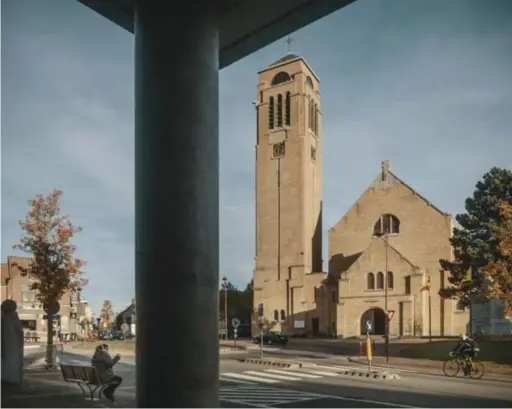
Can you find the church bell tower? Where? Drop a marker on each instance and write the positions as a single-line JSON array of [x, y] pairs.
[[288, 193]]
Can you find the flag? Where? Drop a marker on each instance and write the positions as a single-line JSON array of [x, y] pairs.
[[426, 287]]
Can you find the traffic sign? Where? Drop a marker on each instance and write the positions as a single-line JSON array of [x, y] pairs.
[[390, 314], [235, 322], [368, 326], [52, 307], [235, 332]]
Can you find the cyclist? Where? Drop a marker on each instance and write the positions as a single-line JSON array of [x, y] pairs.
[[466, 348]]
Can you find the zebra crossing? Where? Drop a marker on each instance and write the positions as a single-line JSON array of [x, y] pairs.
[[274, 376]]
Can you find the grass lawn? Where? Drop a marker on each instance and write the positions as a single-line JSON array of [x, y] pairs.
[[498, 352]]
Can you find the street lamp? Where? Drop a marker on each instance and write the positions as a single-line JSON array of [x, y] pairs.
[[225, 288], [385, 234]]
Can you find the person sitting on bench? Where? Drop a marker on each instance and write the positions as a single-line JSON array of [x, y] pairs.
[[104, 364]]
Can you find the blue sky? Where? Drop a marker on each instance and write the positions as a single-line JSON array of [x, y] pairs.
[[425, 84]]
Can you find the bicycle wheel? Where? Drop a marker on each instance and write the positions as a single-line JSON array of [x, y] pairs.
[[451, 367], [477, 370]]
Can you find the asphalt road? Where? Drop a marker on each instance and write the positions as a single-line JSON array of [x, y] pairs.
[[247, 386]]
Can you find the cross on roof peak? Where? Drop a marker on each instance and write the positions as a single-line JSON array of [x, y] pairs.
[[289, 40]]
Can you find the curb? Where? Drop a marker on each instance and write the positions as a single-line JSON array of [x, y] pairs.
[[371, 375], [276, 364]]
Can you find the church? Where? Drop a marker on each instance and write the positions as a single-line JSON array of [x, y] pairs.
[[382, 252]]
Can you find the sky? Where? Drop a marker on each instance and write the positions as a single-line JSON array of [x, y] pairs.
[[425, 84]]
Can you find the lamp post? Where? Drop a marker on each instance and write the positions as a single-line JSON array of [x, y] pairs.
[[386, 283], [385, 234], [225, 288]]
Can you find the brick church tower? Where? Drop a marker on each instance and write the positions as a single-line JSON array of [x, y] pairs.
[[288, 195]]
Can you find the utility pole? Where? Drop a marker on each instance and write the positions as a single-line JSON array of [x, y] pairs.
[[386, 334]]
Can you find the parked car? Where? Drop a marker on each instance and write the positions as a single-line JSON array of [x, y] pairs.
[[112, 335], [271, 337]]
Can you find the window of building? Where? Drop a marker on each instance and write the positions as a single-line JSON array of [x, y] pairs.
[[387, 223], [380, 281], [310, 115], [315, 119], [279, 111], [271, 113], [408, 284], [390, 280], [276, 315], [29, 324], [280, 77], [309, 81], [287, 117], [283, 315], [313, 153], [279, 149], [370, 281], [28, 297]]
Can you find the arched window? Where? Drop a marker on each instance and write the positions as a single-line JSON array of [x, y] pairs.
[[370, 281], [287, 109], [390, 280], [387, 223], [308, 109], [283, 315], [276, 315], [279, 111], [309, 81], [271, 113], [280, 77], [380, 281]]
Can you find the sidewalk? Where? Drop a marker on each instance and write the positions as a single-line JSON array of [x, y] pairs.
[[40, 394], [432, 367]]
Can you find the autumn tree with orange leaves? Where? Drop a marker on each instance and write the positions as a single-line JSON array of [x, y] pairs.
[[499, 271], [54, 269], [107, 314]]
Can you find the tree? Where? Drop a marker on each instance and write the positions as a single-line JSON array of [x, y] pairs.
[[499, 271], [107, 315], [474, 243], [54, 269]]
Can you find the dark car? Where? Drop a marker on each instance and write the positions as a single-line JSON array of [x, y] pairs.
[[271, 337], [112, 335]]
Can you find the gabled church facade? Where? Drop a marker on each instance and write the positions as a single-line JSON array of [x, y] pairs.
[[392, 237], [296, 294]]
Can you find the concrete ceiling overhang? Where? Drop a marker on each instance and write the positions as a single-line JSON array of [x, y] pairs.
[[245, 25]]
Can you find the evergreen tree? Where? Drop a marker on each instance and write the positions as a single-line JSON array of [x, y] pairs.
[[474, 244]]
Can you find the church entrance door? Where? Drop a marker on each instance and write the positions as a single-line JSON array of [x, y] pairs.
[[378, 319]]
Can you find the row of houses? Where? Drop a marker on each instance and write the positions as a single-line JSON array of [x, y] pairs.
[[74, 308]]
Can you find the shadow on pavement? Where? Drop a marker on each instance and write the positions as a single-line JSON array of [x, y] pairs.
[[340, 396]]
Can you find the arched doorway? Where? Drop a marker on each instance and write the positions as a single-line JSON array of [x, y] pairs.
[[377, 317]]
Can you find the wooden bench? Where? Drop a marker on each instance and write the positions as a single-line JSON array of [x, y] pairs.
[[87, 378]]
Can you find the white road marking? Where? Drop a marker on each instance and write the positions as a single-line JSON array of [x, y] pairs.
[[324, 373], [301, 374], [222, 378], [248, 377], [268, 375]]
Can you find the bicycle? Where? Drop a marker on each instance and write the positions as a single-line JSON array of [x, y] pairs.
[[456, 362]]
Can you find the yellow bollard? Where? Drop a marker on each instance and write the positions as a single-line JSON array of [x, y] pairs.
[[369, 352]]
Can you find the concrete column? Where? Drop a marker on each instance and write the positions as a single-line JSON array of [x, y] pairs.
[[176, 203]]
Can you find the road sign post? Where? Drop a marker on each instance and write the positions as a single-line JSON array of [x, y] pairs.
[[369, 327]]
